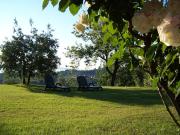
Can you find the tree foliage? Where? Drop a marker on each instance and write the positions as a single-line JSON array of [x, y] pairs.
[[105, 43], [27, 55]]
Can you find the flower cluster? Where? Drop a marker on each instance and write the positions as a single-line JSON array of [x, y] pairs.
[[166, 20], [82, 23], [169, 30], [149, 17]]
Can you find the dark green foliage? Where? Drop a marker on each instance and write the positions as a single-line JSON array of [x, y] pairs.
[[28, 55], [63, 5], [73, 8], [105, 43], [54, 2], [45, 3]]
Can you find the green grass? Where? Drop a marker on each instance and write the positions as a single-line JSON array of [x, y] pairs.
[[114, 111]]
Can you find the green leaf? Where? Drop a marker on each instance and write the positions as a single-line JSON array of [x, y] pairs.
[[154, 82], [138, 51], [168, 61], [92, 15], [106, 37], [126, 35], [134, 61], [170, 58], [171, 76], [164, 48], [45, 3], [177, 89], [63, 5], [115, 41], [111, 29], [104, 19], [110, 62], [117, 55], [104, 28], [96, 18], [121, 50], [54, 2], [150, 53], [178, 92], [73, 8]]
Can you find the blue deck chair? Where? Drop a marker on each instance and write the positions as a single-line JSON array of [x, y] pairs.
[[50, 84], [84, 85]]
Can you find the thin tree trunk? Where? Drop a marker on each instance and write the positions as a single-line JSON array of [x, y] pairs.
[[161, 88], [24, 73], [24, 80], [113, 77], [29, 78], [174, 99]]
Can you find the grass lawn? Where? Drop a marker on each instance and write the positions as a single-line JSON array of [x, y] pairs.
[[114, 111]]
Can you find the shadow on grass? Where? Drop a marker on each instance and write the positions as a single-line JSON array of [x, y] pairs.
[[122, 95], [4, 130]]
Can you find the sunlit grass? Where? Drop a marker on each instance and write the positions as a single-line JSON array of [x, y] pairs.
[[116, 111]]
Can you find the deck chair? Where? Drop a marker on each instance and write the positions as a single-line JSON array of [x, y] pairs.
[[83, 84], [50, 84]]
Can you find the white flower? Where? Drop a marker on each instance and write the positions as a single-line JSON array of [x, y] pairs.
[[79, 27], [87, 4], [154, 11], [169, 30], [166, 20], [149, 17], [83, 19], [174, 7], [141, 22], [151, 7]]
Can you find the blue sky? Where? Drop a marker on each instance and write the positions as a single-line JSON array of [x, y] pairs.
[[23, 10]]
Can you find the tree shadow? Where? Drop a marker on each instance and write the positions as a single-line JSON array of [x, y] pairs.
[[4, 130], [128, 96]]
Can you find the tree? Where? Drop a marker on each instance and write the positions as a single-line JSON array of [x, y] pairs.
[[160, 61], [27, 55], [105, 43]]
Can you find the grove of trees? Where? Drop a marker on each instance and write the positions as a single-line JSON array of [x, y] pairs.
[[28, 55]]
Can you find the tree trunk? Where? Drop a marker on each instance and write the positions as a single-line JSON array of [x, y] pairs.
[[113, 76], [29, 78], [162, 85], [24, 73], [24, 80], [174, 101]]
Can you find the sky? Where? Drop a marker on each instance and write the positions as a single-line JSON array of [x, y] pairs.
[[23, 10]]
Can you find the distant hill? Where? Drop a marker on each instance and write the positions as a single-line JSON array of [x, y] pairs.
[[89, 73]]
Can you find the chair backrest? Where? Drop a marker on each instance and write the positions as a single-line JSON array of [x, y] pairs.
[[82, 82], [49, 80]]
